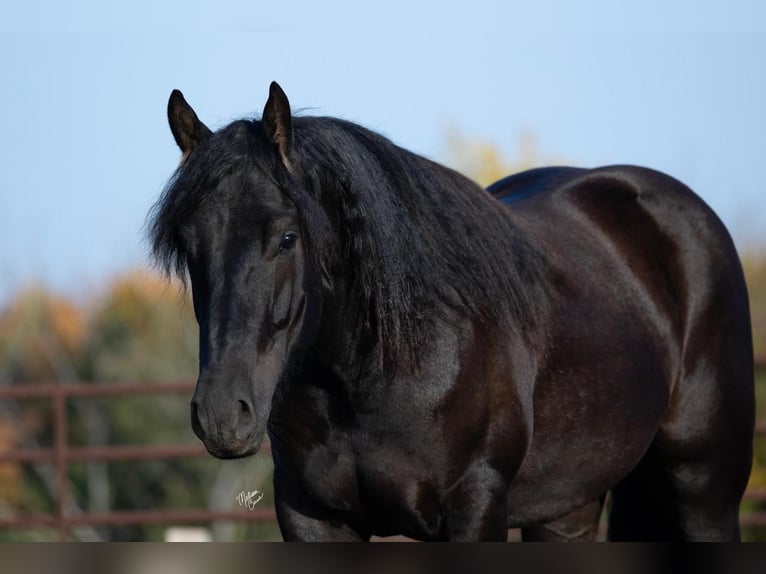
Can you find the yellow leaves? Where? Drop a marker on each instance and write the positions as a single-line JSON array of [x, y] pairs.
[[143, 285], [35, 307], [66, 322], [36, 330], [484, 161], [131, 301], [48, 337]]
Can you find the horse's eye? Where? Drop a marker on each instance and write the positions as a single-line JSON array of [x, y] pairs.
[[288, 241]]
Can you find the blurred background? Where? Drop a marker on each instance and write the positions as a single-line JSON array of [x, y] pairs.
[[488, 87]]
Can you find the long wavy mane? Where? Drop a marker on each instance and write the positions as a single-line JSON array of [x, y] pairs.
[[415, 237]]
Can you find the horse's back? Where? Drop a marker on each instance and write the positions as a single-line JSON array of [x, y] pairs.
[[640, 247], [671, 243]]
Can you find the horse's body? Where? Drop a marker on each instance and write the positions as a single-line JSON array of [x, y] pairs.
[[667, 328], [618, 357]]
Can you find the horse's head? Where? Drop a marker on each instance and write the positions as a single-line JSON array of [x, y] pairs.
[[232, 220]]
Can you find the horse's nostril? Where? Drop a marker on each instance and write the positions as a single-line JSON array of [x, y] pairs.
[[245, 419], [245, 410]]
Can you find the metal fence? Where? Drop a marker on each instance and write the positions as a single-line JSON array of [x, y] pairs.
[[61, 455]]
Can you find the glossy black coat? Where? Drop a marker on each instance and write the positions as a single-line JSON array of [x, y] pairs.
[[433, 363]]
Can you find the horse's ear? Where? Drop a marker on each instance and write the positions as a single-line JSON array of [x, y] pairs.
[[278, 123], [187, 130]]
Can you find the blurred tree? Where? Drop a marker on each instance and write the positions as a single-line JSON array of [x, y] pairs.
[[754, 264], [143, 328], [484, 162], [40, 334]]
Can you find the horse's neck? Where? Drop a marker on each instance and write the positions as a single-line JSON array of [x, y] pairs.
[[344, 341]]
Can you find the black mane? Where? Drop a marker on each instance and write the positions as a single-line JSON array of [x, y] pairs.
[[417, 235]]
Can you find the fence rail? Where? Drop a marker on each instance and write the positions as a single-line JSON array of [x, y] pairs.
[[61, 455]]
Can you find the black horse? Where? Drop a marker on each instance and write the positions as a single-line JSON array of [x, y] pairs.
[[430, 362]]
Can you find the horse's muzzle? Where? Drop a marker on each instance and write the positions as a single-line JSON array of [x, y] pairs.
[[233, 433]]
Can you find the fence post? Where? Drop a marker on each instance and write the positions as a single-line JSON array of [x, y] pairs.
[[60, 421]]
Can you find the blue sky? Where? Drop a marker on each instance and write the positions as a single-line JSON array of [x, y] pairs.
[[677, 85]]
